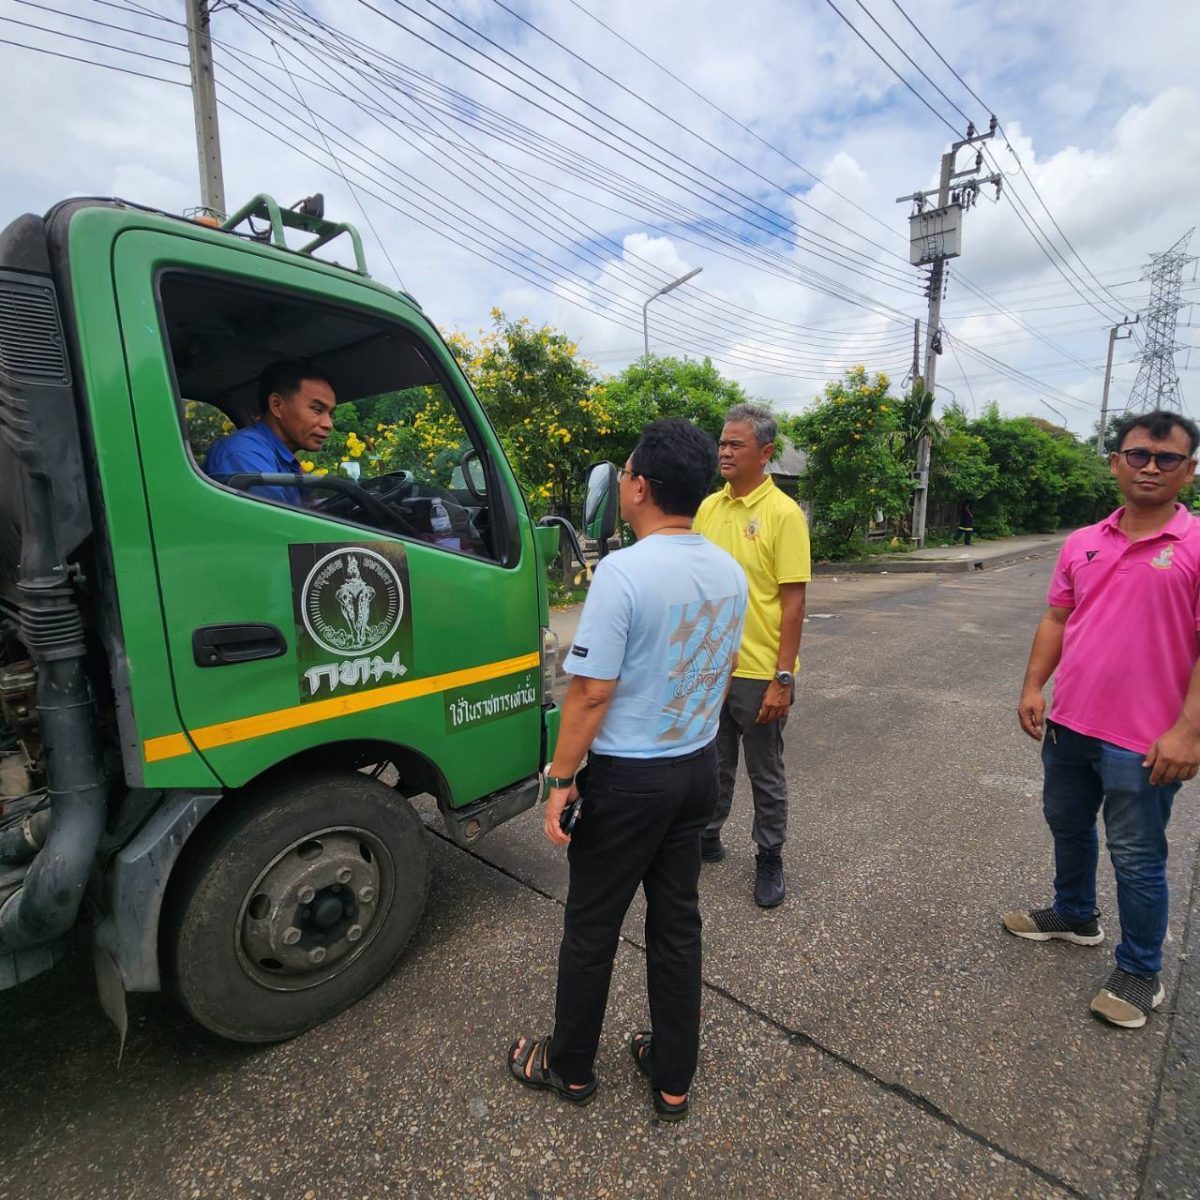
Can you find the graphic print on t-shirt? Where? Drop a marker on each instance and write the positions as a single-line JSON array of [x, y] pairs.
[[700, 647]]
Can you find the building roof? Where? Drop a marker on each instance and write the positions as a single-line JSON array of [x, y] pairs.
[[792, 461]]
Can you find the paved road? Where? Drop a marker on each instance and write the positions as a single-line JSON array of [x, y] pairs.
[[878, 1035]]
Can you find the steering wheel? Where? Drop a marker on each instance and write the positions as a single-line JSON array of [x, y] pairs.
[[390, 487], [352, 498]]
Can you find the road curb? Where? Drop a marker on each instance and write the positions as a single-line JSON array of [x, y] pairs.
[[934, 566]]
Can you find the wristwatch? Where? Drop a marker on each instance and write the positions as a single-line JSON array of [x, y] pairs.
[[784, 677], [554, 781]]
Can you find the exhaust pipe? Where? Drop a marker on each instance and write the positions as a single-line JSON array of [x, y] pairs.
[[21, 843]]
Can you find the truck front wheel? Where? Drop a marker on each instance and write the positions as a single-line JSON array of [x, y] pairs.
[[293, 904]]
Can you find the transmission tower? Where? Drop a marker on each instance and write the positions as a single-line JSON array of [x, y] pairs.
[[1157, 383]]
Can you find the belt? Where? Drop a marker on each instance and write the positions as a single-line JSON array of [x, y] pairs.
[[665, 760]]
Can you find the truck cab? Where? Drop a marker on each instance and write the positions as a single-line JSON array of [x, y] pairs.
[[224, 700]]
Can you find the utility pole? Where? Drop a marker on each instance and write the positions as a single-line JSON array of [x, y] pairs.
[[204, 104], [1112, 341], [935, 234]]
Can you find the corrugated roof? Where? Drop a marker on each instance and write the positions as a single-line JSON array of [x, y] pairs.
[[792, 461]]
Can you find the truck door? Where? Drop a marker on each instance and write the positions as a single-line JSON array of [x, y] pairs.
[[407, 616]]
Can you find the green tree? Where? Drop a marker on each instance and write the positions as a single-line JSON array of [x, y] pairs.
[[1046, 477], [545, 401], [854, 438], [666, 387], [962, 468]]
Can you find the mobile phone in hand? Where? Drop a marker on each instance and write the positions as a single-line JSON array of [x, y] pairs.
[[569, 815]]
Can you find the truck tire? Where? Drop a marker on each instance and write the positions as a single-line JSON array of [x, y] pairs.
[[293, 904]]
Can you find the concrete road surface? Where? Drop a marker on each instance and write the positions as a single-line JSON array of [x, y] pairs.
[[877, 1035]]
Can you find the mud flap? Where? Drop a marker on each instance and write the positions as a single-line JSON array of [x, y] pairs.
[[112, 993]]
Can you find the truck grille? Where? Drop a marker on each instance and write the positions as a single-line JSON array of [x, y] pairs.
[[31, 340]]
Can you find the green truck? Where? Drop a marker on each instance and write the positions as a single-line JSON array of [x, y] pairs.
[[223, 703]]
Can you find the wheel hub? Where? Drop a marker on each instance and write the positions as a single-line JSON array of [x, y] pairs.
[[314, 908]]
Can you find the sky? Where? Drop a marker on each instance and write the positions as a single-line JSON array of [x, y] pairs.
[[563, 160]]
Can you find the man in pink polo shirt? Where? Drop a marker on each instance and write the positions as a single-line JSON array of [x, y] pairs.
[[1121, 639]]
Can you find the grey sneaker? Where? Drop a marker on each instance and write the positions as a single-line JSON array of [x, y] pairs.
[[1127, 1000], [769, 888], [1045, 925]]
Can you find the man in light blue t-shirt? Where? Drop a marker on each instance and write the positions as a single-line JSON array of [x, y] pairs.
[[652, 658]]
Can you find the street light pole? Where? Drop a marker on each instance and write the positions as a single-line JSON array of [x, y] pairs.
[[662, 291]]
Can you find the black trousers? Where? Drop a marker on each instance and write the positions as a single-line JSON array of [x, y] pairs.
[[640, 823]]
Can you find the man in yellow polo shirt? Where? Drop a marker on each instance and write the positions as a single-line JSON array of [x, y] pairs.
[[765, 531]]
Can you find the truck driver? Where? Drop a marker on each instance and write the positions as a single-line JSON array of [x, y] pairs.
[[296, 403]]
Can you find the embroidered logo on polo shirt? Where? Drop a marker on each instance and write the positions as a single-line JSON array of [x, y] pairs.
[[752, 528], [1162, 560], [580, 651], [1091, 554]]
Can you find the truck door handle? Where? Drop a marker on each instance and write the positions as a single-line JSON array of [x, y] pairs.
[[223, 645]]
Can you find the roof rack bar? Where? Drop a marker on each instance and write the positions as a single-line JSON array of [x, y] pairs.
[[266, 208], [331, 230]]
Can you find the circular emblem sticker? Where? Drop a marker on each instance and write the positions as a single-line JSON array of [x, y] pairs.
[[352, 601]]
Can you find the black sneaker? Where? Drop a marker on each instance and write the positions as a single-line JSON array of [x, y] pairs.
[[1127, 1000], [1045, 925], [711, 849], [769, 889]]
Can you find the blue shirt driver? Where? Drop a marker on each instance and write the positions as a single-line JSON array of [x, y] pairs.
[[297, 404]]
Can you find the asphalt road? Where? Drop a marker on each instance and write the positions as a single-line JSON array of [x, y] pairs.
[[877, 1035]]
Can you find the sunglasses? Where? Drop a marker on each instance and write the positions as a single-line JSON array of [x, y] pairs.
[[1164, 460], [623, 471]]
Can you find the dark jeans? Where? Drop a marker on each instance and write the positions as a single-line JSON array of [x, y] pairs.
[[640, 823], [763, 745], [963, 533], [1082, 776]]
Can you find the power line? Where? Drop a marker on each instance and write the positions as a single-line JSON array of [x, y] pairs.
[[790, 355], [743, 127], [593, 234], [1015, 200], [91, 62], [75, 37], [1008, 144], [820, 282], [870, 46], [687, 184], [481, 236], [96, 21], [699, 137]]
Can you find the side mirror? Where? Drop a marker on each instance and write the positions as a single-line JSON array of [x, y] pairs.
[[474, 478], [600, 503]]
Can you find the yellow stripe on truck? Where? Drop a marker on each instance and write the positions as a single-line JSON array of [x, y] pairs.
[[228, 733], [172, 746]]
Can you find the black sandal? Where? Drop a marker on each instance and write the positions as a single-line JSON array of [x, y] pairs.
[[540, 1075], [641, 1046]]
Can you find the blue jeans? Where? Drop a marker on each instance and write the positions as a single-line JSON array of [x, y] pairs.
[[1083, 775]]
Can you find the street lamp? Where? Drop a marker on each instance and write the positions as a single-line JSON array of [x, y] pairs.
[[662, 291]]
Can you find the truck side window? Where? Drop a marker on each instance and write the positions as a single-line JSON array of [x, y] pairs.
[[400, 458], [205, 424]]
